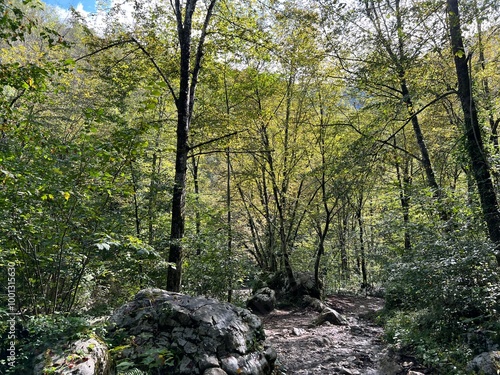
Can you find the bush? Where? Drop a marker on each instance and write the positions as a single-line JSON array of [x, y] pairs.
[[443, 302], [37, 334]]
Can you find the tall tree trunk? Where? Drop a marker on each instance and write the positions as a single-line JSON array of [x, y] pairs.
[[153, 189], [343, 233], [179, 191], [184, 103], [359, 216], [407, 99], [475, 147], [197, 216], [229, 229], [404, 182]]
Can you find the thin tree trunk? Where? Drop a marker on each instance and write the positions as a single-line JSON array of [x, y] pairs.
[[153, 189], [359, 216], [343, 232], [404, 181], [229, 231]]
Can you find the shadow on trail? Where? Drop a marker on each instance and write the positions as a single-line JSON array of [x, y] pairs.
[[355, 349]]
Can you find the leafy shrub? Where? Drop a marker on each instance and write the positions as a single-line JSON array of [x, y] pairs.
[[36, 334], [443, 301]]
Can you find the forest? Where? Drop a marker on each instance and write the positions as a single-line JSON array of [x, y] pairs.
[[206, 146]]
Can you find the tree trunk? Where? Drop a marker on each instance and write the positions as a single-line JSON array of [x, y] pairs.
[[184, 103], [359, 215], [475, 147], [343, 233], [404, 182]]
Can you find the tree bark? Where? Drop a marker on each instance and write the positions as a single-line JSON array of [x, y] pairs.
[[184, 103], [475, 147]]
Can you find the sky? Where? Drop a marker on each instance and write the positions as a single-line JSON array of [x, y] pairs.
[[88, 5]]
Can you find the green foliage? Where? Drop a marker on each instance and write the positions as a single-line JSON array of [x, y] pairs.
[[150, 361], [37, 334], [412, 332], [209, 268], [442, 301]]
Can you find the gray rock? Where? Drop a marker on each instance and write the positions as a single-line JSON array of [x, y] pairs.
[[207, 361], [306, 285], [84, 357], [315, 303], [215, 371], [322, 341], [230, 365], [204, 333], [330, 315], [188, 366], [343, 370], [487, 363], [262, 301], [270, 354], [298, 331]]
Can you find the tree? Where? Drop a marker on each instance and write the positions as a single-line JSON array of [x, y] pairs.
[[474, 142], [189, 72]]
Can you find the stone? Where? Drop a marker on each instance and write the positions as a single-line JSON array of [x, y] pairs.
[[357, 330], [230, 365], [215, 371], [298, 331], [205, 334], [330, 315], [306, 285], [343, 370], [315, 303], [322, 341], [487, 363], [83, 357], [263, 301], [270, 353], [207, 361]]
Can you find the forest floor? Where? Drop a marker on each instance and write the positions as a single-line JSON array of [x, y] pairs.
[[356, 348]]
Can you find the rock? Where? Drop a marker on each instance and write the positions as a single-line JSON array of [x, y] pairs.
[[215, 371], [357, 330], [315, 303], [322, 341], [84, 357], [306, 286], [207, 336], [298, 331], [415, 373], [262, 301], [208, 361], [343, 370], [487, 363], [330, 315]]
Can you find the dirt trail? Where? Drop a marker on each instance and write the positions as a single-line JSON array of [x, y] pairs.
[[355, 349]]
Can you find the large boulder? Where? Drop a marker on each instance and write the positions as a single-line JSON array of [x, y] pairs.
[[201, 335], [487, 363], [83, 357], [306, 285], [263, 301]]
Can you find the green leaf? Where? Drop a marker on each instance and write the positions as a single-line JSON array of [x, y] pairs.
[[103, 246], [125, 365]]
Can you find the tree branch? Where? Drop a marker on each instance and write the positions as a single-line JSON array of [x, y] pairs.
[[214, 140], [158, 69]]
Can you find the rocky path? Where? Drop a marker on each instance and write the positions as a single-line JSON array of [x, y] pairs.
[[355, 349]]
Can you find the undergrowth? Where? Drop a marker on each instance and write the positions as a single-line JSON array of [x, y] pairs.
[[443, 303]]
